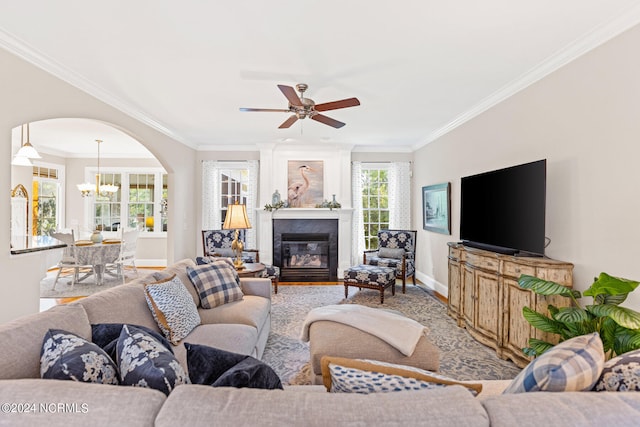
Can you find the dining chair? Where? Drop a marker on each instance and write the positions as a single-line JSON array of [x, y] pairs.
[[128, 246], [68, 257]]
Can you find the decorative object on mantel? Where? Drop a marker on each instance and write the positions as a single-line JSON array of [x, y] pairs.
[[305, 183], [333, 204], [274, 207], [237, 219], [275, 198], [87, 188]]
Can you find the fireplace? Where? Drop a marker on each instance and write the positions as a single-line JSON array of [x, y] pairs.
[[306, 250]]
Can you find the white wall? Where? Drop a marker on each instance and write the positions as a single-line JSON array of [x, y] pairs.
[[585, 120], [30, 94]]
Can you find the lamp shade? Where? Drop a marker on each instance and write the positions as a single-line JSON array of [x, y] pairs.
[[236, 217]]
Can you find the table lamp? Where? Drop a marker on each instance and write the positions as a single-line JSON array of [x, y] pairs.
[[237, 219]]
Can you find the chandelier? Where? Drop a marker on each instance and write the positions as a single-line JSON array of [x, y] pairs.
[[87, 189], [26, 151]]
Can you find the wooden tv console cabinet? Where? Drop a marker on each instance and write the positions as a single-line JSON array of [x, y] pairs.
[[484, 297]]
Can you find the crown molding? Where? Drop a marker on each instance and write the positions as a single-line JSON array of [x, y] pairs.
[[574, 50], [23, 50]]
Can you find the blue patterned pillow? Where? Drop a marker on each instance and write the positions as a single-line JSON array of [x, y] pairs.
[[343, 375], [145, 362], [173, 308], [621, 373], [217, 283], [66, 356], [572, 365]]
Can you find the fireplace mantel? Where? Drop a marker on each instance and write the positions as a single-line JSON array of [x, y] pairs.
[[345, 221]]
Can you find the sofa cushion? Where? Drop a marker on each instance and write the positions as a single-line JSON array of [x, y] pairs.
[[621, 373], [172, 307], [220, 368], [145, 362], [343, 375], [583, 409], [66, 356], [230, 337], [21, 359], [85, 404], [217, 283], [572, 365], [251, 310], [120, 304], [219, 406]]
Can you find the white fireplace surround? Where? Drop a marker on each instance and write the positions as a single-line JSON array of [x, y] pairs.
[[344, 217]]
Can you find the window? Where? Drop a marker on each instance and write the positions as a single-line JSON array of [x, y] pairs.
[[375, 202], [233, 188], [140, 202], [46, 200]]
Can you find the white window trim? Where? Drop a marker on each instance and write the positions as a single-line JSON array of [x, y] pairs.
[[90, 176], [61, 196]]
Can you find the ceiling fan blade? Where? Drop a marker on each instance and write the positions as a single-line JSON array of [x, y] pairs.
[[344, 103], [287, 123], [327, 121], [291, 95], [277, 110]]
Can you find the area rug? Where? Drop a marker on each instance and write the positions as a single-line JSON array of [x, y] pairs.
[[81, 289], [461, 356]]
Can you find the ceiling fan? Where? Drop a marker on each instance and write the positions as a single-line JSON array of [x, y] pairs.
[[302, 107]]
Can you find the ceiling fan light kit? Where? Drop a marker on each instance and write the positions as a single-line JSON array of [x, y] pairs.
[[302, 107]]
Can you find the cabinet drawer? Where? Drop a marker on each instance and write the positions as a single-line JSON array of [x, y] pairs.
[[483, 262], [514, 270], [559, 275], [455, 253]]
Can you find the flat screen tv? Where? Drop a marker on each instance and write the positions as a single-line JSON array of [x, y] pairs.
[[504, 210]]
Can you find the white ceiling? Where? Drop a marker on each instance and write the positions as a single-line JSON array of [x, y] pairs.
[[418, 67]]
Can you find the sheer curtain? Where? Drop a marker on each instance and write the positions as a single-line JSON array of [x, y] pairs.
[[358, 219], [212, 195], [400, 195]]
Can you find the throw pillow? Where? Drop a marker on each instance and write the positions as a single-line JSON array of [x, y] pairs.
[[172, 307], [220, 368], [621, 373], [342, 375], [105, 336], [145, 362], [217, 283], [391, 253], [572, 365], [66, 356]]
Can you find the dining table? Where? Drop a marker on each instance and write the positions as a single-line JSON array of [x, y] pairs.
[[98, 255]]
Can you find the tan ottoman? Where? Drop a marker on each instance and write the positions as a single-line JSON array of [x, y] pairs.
[[327, 338]]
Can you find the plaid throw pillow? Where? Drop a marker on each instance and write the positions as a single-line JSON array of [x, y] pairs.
[[217, 283], [572, 365]]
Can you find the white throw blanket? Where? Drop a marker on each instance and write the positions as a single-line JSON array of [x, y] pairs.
[[398, 331]]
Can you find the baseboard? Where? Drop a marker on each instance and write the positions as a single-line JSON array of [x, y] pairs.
[[433, 284]]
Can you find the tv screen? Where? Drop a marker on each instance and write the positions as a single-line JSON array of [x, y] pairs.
[[504, 210]]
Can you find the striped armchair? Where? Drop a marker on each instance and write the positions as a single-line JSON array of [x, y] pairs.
[[397, 249]]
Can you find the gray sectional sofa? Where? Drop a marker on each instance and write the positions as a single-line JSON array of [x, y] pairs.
[[243, 327]]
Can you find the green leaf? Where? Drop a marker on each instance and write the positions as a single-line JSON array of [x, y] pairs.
[[544, 287], [540, 321], [608, 333], [626, 340], [536, 347], [611, 286], [613, 299], [571, 315], [623, 316], [580, 328]]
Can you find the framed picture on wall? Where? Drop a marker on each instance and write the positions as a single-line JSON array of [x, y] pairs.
[[436, 207], [305, 183]]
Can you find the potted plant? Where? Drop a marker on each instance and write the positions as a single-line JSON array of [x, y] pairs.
[[619, 327]]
